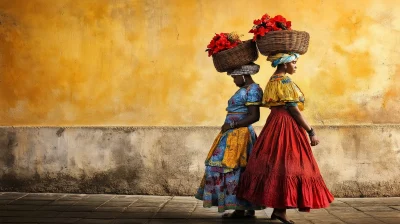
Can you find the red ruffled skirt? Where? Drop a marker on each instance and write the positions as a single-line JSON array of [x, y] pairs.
[[282, 171]]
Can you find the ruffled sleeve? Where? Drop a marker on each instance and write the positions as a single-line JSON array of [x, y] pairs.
[[254, 95], [282, 91]]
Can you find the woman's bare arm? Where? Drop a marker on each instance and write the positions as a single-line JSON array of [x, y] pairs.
[[252, 117], [298, 117]]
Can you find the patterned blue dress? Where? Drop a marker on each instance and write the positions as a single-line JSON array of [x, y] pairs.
[[220, 181]]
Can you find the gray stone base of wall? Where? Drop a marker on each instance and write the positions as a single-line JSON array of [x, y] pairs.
[[355, 161]]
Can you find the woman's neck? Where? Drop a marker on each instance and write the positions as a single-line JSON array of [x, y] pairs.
[[247, 84], [279, 73], [249, 81]]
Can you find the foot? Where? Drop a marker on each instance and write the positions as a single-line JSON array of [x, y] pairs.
[[250, 214], [237, 214], [281, 217]]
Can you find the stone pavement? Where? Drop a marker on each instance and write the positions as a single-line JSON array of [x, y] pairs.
[[105, 208]]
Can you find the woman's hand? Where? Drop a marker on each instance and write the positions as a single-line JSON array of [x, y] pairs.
[[225, 127], [296, 114], [314, 140]]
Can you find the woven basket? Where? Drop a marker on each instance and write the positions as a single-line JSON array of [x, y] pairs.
[[283, 41], [242, 54]]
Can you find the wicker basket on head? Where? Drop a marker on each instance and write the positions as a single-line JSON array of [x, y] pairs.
[[242, 54], [283, 41]]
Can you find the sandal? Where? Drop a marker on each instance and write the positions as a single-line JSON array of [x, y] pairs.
[[234, 215], [274, 217]]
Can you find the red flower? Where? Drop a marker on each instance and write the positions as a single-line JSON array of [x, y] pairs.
[[222, 41], [280, 18], [212, 44], [269, 24], [289, 25], [262, 31], [265, 18], [257, 22]]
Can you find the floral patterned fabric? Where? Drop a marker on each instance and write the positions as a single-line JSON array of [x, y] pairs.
[[219, 189]]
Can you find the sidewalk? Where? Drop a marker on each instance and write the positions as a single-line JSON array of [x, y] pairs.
[[135, 209]]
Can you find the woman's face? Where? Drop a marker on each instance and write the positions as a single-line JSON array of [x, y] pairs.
[[238, 80], [291, 67]]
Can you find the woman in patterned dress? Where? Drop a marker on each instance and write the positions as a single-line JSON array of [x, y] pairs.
[[228, 155]]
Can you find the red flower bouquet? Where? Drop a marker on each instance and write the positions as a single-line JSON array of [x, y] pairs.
[[267, 24], [223, 41]]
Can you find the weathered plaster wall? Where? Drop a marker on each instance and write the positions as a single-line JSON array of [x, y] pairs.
[[356, 161], [142, 62]]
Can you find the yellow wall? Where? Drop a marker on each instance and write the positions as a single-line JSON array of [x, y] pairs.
[[116, 62]]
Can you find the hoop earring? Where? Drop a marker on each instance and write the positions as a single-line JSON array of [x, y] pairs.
[[244, 80]]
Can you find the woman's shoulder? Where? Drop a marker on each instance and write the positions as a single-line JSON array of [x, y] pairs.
[[284, 79], [253, 86], [282, 87]]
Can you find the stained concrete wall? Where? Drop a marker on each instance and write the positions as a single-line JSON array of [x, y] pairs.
[[356, 161]]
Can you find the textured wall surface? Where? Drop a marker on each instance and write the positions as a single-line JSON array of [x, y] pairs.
[[356, 161], [142, 62]]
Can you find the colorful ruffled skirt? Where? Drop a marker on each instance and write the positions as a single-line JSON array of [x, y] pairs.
[[281, 171]]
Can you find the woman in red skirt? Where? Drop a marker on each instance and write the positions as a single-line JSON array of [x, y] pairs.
[[282, 172]]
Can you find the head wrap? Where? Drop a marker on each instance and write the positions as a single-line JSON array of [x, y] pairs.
[[282, 58], [249, 69]]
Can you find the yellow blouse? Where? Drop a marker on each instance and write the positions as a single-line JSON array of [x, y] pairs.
[[281, 90]]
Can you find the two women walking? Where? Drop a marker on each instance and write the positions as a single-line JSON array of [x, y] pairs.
[[275, 170]]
